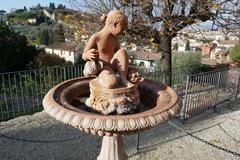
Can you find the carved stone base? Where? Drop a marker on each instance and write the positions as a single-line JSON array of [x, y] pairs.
[[112, 148], [122, 100]]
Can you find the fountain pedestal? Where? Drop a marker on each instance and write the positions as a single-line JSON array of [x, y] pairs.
[[112, 148]]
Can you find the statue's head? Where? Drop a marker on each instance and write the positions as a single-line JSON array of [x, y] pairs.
[[116, 21]]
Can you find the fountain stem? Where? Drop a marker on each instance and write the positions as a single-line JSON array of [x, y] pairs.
[[112, 148]]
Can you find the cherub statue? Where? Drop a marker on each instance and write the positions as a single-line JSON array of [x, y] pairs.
[[103, 53]]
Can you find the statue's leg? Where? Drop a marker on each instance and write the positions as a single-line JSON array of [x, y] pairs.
[[107, 78], [120, 60]]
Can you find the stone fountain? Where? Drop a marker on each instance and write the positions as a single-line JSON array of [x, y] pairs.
[[64, 102], [111, 102]]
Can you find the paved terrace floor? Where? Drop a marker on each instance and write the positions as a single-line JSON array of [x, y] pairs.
[[40, 137]]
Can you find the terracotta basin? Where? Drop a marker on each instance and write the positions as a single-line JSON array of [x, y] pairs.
[[159, 104]]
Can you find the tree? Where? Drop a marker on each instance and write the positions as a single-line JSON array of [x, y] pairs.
[[39, 6], [226, 38], [161, 20], [15, 51], [52, 6], [19, 11], [1, 20], [51, 37], [44, 37], [2, 12], [60, 6], [187, 47], [78, 21], [40, 19], [175, 47], [235, 53], [26, 15], [59, 34]]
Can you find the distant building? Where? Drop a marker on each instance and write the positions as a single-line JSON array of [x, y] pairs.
[[207, 49], [207, 34], [195, 45], [233, 37], [181, 44], [181, 47], [32, 20], [219, 49], [227, 43], [145, 59], [67, 51], [197, 48]]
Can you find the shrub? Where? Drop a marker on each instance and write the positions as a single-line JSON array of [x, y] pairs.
[[186, 63], [186, 58], [205, 68], [44, 60], [235, 53]]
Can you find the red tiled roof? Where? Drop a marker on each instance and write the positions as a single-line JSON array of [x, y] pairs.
[[213, 46], [214, 62], [144, 55], [63, 46], [228, 42]]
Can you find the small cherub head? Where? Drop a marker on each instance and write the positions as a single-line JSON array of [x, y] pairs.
[[134, 76], [116, 21]]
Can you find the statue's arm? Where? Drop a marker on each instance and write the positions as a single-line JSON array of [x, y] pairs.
[[90, 51]]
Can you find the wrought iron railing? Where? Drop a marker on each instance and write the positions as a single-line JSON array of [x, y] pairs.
[[207, 90], [22, 92]]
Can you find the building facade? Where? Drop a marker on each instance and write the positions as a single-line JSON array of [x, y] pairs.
[[64, 50]]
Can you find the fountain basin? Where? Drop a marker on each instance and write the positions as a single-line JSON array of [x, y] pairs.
[[160, 103]]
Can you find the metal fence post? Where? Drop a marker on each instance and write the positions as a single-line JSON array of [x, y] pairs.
[[64, 74], [185, 100], [218, 83], [238, 86], [164, 77], [137, 145]]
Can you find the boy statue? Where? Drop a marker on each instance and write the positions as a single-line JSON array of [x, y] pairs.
[[103, 53]]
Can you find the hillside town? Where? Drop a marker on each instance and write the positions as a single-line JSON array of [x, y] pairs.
[[71, 31]]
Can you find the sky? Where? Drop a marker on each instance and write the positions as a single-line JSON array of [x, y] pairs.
[[8, 4]]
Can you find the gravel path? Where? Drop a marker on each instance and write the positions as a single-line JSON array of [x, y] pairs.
[[40, 137]]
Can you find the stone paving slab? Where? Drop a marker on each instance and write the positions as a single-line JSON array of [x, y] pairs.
[[40, 137]]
